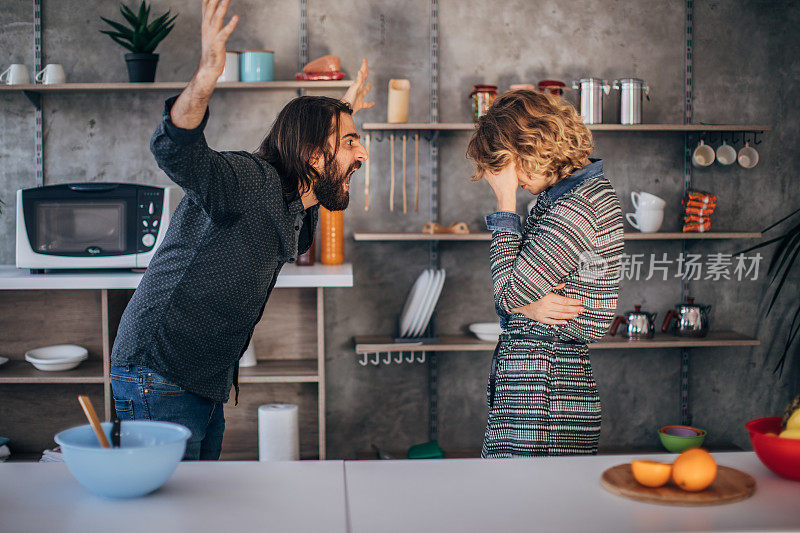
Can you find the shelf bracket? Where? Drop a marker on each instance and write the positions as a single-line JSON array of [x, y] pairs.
[[34, 98], [688, 112]]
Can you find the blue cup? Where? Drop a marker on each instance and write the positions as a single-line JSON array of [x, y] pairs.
[[257, 65]]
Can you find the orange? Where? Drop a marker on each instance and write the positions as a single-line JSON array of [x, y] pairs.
[[694, 470], [651, 473]]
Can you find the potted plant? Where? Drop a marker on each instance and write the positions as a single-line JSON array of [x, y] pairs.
[[141, 38], [784, 259]]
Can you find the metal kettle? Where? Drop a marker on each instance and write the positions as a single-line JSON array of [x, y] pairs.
[[638, 324], [691, 320]]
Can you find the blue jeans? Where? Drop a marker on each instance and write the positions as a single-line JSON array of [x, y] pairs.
[[142, 394]]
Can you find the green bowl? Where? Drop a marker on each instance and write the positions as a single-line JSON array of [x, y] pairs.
[[677, 439]]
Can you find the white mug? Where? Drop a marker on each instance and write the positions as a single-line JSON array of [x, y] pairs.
[[646, 221], [703, 155], [726, 154], [16, 74], [645, 200], [50, 74], [231, 72], [748, 156]]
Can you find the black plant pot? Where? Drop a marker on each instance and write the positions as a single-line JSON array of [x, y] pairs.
[[141, 67]]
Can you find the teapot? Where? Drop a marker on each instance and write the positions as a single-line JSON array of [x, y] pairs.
[[639, 324], [692, 320]]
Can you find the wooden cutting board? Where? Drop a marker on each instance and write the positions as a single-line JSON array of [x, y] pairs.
[[730, 486]]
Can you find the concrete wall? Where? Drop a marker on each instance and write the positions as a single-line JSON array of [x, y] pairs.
[[746, 69]]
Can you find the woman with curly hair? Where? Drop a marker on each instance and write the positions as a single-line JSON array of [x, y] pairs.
[[556, 281]]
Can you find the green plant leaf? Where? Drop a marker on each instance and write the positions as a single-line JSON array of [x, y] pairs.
[[119, 27], [114, 34], [791, 242], [120, 42], [785, 246], [142, 14], [158, 23], [783, 278], [129, 16], [158, 38]]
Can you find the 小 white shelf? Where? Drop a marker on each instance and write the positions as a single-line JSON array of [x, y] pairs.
[[291, 276]]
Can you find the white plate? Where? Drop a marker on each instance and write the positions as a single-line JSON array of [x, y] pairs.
[[416, 326], [436, 290], [57, 358], [414, 301], [486, 331]]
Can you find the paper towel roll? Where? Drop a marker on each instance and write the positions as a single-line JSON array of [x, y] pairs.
[[278, 432]]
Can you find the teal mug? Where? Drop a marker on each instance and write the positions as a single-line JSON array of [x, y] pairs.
[[257, 65]]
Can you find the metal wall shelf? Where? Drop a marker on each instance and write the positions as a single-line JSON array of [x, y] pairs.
[[486, 236], [468, 343], [172, 85]]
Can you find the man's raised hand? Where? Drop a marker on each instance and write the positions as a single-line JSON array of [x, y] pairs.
[[213, 37]]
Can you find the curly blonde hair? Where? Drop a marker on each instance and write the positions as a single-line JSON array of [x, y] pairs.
[[540, 132]]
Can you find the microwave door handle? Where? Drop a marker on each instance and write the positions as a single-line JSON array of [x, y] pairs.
[[92, 187]]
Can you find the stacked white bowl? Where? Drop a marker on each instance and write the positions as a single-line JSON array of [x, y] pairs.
[[649, 212], [57, 357]]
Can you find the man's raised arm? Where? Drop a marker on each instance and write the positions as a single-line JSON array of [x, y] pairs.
[[190, 107]]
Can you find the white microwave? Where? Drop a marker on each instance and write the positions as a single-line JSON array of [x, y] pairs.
[[92, 225]]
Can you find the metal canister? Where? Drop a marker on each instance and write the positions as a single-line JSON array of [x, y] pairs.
[[483, 97], [590, 94], [630, 99]]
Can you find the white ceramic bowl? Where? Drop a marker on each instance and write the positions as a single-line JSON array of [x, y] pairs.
[[58, 357], [486, 331]]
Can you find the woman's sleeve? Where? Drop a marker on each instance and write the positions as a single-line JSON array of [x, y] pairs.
[[526, 268]]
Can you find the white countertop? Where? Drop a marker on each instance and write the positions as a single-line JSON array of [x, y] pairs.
[[560, 494], [13, 278], [219, 497], [462, 495]]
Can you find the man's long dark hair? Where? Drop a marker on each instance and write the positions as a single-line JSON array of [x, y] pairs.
[[300, 131]]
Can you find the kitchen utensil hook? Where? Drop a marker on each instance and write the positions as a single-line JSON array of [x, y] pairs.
[[379, 136], [398, 358], [410, 359], [421, 359], [376, 359], [387, 359], [363, 361], [755, 137]]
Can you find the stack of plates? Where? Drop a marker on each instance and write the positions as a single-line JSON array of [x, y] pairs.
[[421, 302], [58, 357]]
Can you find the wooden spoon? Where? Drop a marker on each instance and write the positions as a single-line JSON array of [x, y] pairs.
[[88, 410], [366, 176], [391, 156], [405, 205], [416, 164]]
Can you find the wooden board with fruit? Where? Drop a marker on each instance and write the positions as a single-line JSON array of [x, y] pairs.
[[694, 478]]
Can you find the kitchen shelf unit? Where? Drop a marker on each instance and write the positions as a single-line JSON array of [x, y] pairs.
[[468, 343], [85, 309], [486, 236], [35, 90], [431, 132]]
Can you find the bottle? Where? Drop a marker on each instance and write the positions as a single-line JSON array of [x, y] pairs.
[[307, 259], [331, 236]]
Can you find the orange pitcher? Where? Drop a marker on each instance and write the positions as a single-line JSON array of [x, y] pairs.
[[331, 236]]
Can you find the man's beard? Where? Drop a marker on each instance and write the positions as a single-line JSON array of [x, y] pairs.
[[329, 187]]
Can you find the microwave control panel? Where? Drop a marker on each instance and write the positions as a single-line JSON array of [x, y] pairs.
[[150, 205]]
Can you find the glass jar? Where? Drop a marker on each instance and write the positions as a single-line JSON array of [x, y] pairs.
[[307, 259], [331, 236], [483, 97]]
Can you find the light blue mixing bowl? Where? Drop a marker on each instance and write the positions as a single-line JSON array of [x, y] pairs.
[[148, 454]]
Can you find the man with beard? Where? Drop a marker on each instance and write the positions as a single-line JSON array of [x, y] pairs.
[[177, 350]]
